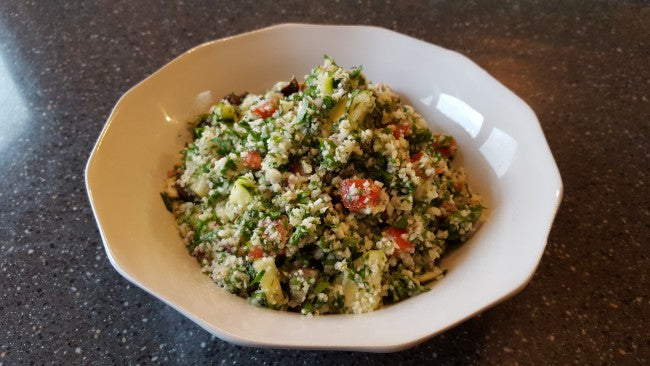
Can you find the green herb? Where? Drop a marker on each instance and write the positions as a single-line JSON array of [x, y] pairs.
[[275, 214], [231, 165], [356, 71], [418, 140], [198, 132], [327, 158], [223, 146], [258, 277], [258, 298], [303, 197], [321, 286], [402, 223], [207, 236], [298, 234], [328, 102], [401, 286], [306, 308], [350, 242]]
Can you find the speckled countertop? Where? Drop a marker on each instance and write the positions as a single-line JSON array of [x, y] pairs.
[[583, 66]]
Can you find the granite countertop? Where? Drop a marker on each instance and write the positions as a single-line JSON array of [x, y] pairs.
[[583, 66]]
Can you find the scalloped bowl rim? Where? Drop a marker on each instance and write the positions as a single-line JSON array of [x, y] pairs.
[[382, 330]]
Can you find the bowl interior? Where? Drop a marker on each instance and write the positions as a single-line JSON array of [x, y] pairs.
[[500, 142]]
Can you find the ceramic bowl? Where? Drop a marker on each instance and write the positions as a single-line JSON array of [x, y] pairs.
[[501, 146]]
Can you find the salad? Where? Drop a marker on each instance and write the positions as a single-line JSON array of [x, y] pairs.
[[326, 195]]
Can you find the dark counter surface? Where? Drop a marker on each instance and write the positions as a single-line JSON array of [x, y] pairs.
[[584, 67]]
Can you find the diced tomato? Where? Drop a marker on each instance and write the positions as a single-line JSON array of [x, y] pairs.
[[266, 109], [403, 244], [417, 157], [255, 252], [357, 195], [253, 160], [401, 129], [447, 149]]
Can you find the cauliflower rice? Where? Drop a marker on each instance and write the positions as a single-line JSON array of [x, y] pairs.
[[322, 196]]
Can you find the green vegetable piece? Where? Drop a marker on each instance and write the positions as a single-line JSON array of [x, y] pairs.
[[303, 198], [225, 111], [321, 286], [200, 186], [270, 281], [231, 165], [370, 268], [338, 110], [361, 104], [241, 191], [328, 85]]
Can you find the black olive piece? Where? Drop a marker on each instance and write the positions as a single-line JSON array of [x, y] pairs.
[[291, 88], [186, 195], [235, 99]]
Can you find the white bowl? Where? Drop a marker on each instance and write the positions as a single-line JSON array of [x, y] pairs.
[[500, 141]]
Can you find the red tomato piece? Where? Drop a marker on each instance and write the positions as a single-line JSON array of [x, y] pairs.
[[401, 129], [357, 194], [417, 157], [414, 159], [266, 109], [255, 252], [403, 244], [253, 160], [448, 150]]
